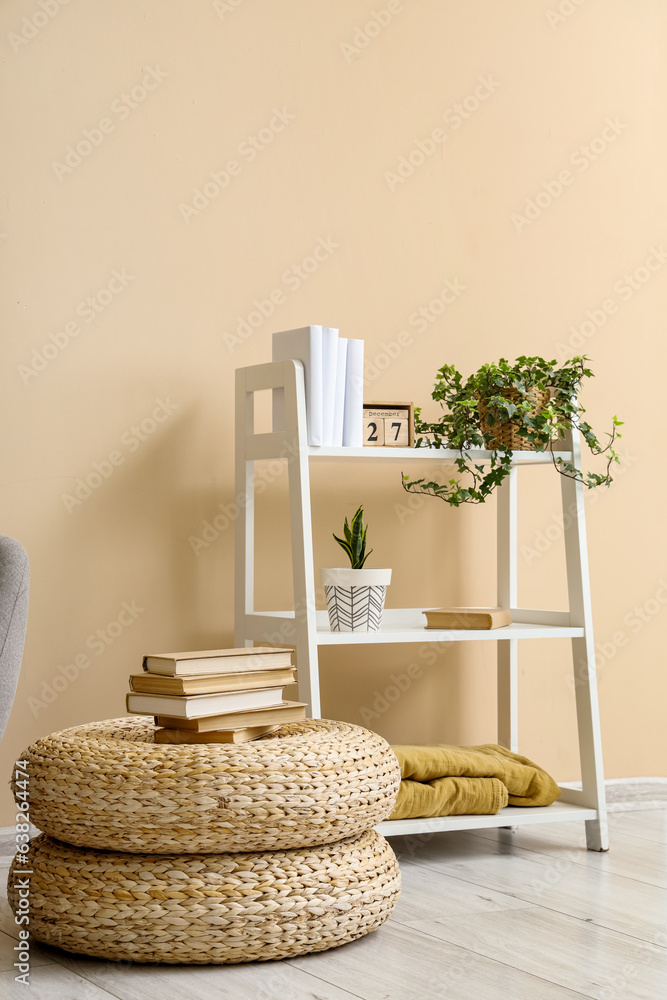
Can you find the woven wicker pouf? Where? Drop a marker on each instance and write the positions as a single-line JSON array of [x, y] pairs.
[[208, 908], [108, 785]]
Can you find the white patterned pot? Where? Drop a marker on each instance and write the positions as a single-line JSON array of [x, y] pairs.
[[355, 598]]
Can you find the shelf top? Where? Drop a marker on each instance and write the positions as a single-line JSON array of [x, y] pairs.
[[557, 812], [444, 456], [408, 625], [398, 632]]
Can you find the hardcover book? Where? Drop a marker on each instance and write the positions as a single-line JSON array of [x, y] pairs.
[[219, 683], [329, 368], [219, 736], [289, 711], [353, 417], [485, 618], [339, 397], [209, 661], [197, 706]]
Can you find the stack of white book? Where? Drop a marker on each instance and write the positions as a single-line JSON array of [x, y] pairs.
[[215, 695], [334, 376]]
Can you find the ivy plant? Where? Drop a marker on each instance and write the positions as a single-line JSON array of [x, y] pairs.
[[354, 540], [508, 393]]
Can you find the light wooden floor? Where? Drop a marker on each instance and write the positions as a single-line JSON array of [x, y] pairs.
[[493, 915]]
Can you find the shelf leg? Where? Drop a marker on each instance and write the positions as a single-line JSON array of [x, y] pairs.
[[508, 649], [508, 655], [305, 637], [508, 695], [583, 657], [244, 529], [590, 743]]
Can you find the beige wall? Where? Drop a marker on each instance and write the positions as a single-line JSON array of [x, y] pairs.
[[218, 72]]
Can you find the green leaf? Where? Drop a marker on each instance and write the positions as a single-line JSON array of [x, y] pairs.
[[345, 546], [354, 542], [459, 424]]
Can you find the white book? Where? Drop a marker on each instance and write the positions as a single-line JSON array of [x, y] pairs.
[[201, 706], [339, 401], [353, 419], [329, 366], [304, 345]]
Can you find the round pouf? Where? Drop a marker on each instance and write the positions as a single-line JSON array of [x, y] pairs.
[[207, 908], [108, 785]]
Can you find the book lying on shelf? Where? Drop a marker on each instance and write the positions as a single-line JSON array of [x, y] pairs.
[[220, 736], [468, 618], [212, 683], [209, 661], [289, 711], [197, 706]]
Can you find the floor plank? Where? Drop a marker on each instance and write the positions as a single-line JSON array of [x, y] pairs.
[[8, 841], [613, 901], [6, 916], [255, 981], [50, 982], [630, 855], [649, 824], [401, 963], [574, 954], [8, 956], [445, 897]]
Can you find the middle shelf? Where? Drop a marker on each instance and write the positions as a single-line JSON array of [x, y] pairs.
[[407, 625]]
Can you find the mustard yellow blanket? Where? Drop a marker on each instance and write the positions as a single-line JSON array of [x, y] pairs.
[[446, 780]]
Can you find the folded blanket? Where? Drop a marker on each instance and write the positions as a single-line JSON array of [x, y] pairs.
[[446, 780]]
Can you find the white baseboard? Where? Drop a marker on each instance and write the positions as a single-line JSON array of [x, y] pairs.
[[626, 794]]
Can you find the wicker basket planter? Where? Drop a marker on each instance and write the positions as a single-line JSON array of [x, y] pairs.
[[109, 786], [498, 431], [208, 908]]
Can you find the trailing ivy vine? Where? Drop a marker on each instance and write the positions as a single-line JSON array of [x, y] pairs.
[[508, 392]]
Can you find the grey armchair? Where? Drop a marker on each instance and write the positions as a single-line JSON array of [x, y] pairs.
[[14, 583]]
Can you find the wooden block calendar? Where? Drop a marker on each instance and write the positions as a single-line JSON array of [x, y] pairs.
[[389, 425]]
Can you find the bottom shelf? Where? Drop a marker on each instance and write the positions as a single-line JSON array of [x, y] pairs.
[[559, 812]]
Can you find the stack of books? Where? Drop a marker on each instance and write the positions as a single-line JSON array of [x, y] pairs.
[[333, 369], [215, 696]]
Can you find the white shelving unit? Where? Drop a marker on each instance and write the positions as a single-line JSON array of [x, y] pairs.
[[306, 629]]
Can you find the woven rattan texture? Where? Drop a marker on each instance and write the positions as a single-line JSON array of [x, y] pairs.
[[108, 785], [503, 433], [208, 908]]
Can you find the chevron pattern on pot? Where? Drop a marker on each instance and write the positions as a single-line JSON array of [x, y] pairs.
[[355, 609]]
